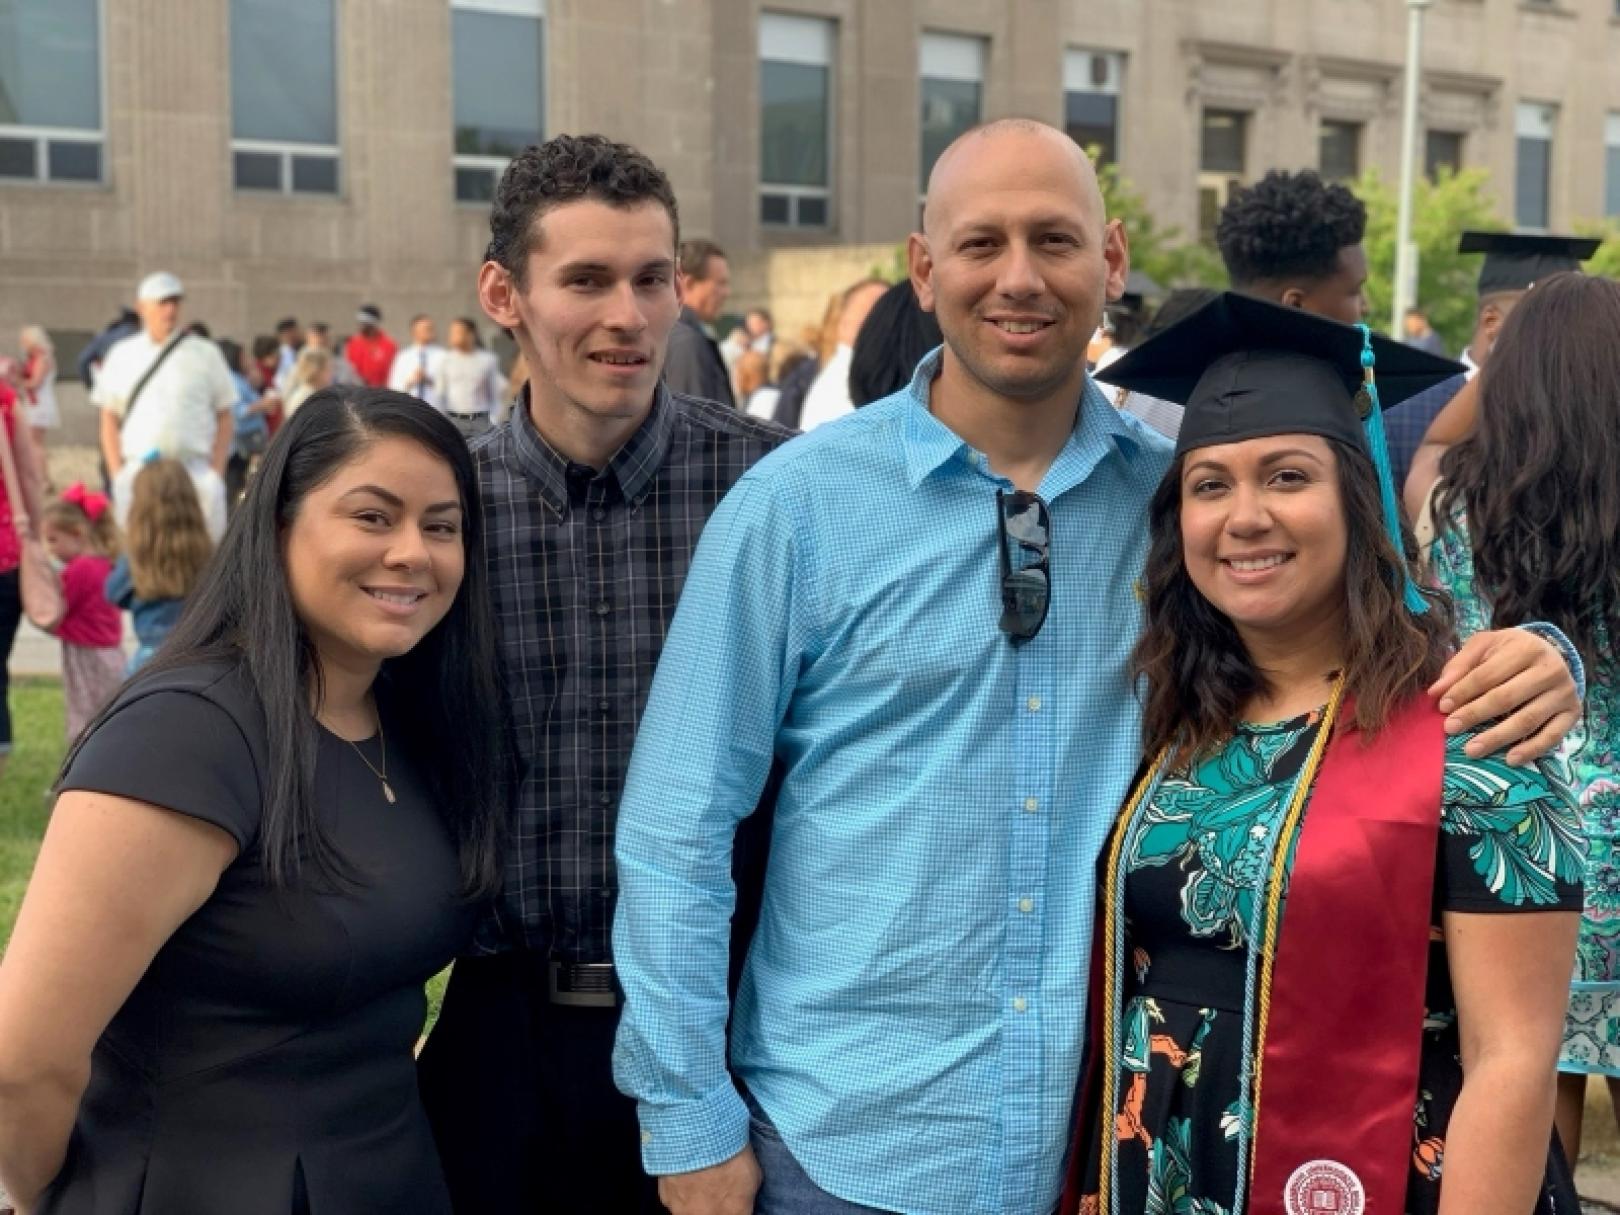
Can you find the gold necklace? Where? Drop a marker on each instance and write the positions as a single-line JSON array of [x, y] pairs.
[[382, 775]]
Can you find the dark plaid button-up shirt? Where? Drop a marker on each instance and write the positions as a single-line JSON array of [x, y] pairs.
[[585, 572]]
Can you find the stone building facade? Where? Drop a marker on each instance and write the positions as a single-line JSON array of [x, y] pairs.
[[338, 156]]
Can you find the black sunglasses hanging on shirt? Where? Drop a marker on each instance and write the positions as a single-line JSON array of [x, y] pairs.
[[1026, 593]]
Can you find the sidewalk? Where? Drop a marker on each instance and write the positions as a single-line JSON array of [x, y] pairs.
[[37, 653]]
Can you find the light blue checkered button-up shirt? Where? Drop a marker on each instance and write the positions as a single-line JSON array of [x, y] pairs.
[[911, 1013]]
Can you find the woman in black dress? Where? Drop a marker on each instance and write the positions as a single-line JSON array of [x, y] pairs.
[[278, 831]]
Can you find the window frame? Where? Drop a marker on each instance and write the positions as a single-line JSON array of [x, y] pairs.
[[1113, 88], [495, 166], [1357, 132], [794, 195], [1535, 114], [942, 39], [1215, 186], [43, 137], [1611, 162], [286, 149], [1429, 165]]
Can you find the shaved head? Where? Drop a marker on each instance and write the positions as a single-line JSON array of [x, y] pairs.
[[1015, 260], [955, 167]]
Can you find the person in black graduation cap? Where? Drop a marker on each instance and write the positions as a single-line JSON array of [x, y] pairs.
[[1315, 991], [1526, 527], [1514, 262]]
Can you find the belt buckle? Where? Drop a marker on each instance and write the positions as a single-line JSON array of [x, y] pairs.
[[582, 984]]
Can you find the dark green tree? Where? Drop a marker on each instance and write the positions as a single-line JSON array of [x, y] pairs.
[[1161, 252], [1443, 208]]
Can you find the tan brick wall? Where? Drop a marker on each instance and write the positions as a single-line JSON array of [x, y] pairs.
[[795, 283], [680, 79]]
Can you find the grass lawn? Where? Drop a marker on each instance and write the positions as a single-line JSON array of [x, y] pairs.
[[36, 753], [37, 728]]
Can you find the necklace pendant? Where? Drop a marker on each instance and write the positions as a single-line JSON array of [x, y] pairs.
[[388, 792]]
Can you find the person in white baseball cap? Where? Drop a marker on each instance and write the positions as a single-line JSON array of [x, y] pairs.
[[162, 390], [158, 287]]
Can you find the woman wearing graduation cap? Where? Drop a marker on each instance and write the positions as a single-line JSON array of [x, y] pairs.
[[1333, 947]]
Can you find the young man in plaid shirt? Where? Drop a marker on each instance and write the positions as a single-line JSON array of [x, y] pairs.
[[595, 492]]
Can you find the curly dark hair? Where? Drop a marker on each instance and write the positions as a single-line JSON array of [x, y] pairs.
[[564, 170], [1288, 226], [1540, 476], [1193, 668]]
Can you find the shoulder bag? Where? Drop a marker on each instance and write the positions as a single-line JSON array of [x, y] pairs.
[[40, 588]]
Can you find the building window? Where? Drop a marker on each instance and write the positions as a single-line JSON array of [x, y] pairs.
[[50, 91], [1091, 88], [1340, 150], [284, 96], [951, 67], [795, 120], [1222, 163], [498, 55], [1534, 124], [1611, 166], [1442, 150]]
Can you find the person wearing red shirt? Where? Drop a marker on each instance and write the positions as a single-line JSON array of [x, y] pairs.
[[30, 485], [371, 351]]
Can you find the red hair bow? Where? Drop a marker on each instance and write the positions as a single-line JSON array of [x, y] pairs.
[[91, 503]]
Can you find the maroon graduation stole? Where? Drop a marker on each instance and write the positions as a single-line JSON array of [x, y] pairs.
[[1337, 1080], [1342, 1005]]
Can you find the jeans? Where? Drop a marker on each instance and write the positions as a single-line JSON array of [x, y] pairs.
[[787, 1188]]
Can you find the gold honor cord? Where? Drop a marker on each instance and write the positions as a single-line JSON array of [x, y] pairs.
[[1110, 1095], [1274, 900], [1111, 911]]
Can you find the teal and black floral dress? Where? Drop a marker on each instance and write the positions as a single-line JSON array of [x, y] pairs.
[[1510, 841], [1591, 752]]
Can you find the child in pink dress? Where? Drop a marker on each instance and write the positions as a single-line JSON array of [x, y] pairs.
[[80, 533]]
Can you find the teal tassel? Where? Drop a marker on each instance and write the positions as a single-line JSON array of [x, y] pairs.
[[1373, 425]]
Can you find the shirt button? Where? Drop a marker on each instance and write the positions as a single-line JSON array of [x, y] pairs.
[[598, 514], [1031, 805], [1034, 703], [1026, 905], [646, 1136], [604, 705], [603, 799], [602, 608], [1020, 1004]]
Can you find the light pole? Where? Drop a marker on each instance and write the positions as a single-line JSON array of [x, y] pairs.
[[1405, 254]]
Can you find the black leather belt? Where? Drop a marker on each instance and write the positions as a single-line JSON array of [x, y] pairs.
[[583, 984]]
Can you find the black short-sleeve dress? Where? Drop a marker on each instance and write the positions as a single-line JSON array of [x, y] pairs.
[[264, 1062]]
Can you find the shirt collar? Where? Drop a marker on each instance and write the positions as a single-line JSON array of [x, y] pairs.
[[688, 317], [1099, 428], [633, 466]]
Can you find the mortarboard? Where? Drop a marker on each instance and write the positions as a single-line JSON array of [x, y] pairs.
[[1245, 368], [1517, 261]]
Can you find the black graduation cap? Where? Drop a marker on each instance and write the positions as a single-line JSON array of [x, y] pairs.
[[1517, 261], [1245, 368]]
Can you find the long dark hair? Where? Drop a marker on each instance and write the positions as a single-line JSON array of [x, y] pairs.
[[453, 717], [892, 341], [1194, 668], [1540, 476]]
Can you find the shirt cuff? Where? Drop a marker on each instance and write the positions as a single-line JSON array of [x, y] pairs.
[[694, 1134], [1572, 656]]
